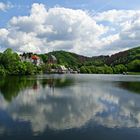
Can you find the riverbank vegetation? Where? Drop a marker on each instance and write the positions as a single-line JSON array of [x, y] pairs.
[[122, 62], [10, 64]]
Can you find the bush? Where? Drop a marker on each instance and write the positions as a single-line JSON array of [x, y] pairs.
[[134, 66], [2, 71], [83, 70], [119, 68]]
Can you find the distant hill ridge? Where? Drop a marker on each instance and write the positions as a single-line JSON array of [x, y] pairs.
[[69, 58]]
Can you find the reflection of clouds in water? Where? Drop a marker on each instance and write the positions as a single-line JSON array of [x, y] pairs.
[[3, 103], [57, 112], [73, 107]]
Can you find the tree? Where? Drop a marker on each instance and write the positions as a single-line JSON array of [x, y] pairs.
[[119, 68], [2, 71], [100, 70], [9, 58], [108, 70], [30, 68], [93, 69], [83, 70], [134, 66], [88, 70]]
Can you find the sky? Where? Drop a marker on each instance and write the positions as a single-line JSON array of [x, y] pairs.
[[86, 27]]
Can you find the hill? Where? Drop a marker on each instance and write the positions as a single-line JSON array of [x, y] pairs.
[[120, 62], [71, 59], [124, 57]]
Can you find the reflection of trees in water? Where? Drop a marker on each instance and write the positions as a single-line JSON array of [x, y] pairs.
[[11, 86], [131, 86]]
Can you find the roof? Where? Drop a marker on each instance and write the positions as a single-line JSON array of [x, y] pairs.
[[34, 57]]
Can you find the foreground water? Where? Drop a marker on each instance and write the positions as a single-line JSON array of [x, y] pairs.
[[78, 107]]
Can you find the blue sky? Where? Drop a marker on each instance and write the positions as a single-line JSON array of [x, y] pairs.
[[22, 7], [107, 26]]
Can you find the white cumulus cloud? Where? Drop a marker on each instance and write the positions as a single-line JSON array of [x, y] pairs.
[[5, 6], [60, 28]]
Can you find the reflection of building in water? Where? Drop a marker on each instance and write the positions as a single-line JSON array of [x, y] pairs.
[[51, 83], [35, 86]]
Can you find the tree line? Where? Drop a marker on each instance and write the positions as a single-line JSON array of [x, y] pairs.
[[10, 64]]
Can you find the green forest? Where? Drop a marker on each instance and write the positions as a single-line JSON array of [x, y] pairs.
[[123, 62]]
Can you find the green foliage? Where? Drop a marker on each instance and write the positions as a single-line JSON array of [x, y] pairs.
[[22, 68], [30, 68], [46, 68], [83, 70], [124, 57], [100, 70], [44, 57], [108, 69], [94, 62], [66, 58], [119, 68], [134, 66], [10, 64], [93, 69], [9, 58], [2, 71]]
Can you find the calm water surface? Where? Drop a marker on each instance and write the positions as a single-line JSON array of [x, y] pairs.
[[70, 107]]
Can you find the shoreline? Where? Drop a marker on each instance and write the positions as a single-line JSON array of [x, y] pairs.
[[129, 73]]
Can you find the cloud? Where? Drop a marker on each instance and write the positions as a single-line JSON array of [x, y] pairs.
[[5, 6], [53, 29], [123, 29], [60, 28]]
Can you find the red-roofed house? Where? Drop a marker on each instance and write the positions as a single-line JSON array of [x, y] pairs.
[[28, 57]]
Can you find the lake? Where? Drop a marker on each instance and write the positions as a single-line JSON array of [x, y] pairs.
[[70, 107]]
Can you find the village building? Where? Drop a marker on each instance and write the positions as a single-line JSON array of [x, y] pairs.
[[62, 69], [52, 59], [32, 58]]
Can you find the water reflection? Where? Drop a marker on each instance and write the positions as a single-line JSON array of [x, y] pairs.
[[60, 103], [10, 87], [131, 86]]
